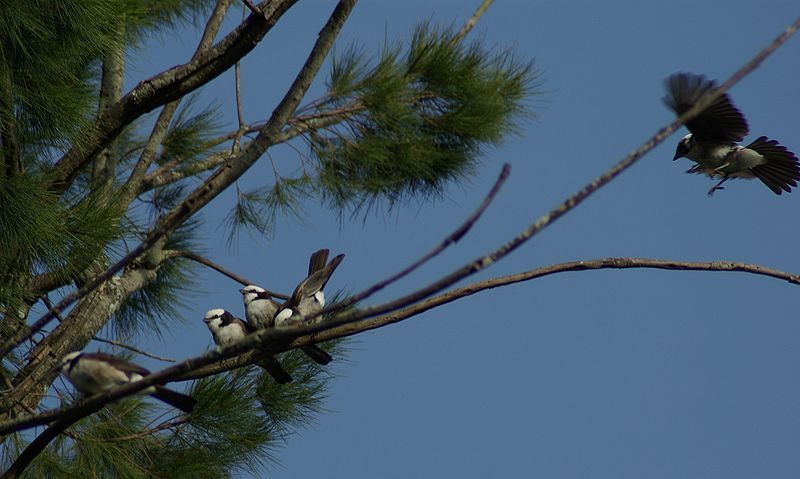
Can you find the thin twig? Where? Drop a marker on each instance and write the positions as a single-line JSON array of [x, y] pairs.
[[237, 87], [49, 305], [453, 238], [473, 20], [132, 348], [161, 427], [207, 262]]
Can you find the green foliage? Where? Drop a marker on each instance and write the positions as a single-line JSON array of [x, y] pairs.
[[155, 307], [228, 430], [48, 60], [147, 16], [240, 418], [416, 119], [39, 232], [190, 133], [260, 208]]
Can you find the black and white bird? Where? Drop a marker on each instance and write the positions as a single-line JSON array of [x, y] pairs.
[[226, 329], [308, 297], [712, 143], [260, 309], [94, 373]]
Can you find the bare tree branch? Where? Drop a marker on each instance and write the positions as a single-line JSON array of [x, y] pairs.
[[49, 305], [470, 24], [132, 348], [451, 239], [207, 262], [595, 264]]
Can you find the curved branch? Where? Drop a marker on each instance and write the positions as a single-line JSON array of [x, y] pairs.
[[349, 329], [136, 350], [207, 262], [453, 238], [270, 341]]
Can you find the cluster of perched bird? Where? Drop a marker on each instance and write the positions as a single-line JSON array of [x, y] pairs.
[[712, 145], [94, 373]]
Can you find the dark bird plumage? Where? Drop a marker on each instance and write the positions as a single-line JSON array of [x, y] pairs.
[[712, 143]]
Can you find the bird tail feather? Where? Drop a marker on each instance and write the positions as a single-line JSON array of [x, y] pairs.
[[274, 368], [781, 172], [175, 399], [317, 354]]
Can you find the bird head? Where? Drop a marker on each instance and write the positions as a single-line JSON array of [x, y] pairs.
[[684, 146], [214, 318], [251, 292], [66, 362]]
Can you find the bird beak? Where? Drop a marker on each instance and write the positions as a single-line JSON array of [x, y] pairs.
[[241, 290], [206, 320], [677, 155]]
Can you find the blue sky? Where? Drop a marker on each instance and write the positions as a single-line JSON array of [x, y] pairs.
[[608, 374]]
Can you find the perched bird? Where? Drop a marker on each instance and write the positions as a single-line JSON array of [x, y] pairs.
[[94, 373], [712, 143], [308, 297], [260, 309], [227, 329]]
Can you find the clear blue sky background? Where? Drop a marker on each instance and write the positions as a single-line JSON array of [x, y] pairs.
[[608, 374]]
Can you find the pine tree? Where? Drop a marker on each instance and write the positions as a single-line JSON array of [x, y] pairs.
[[83, 178]]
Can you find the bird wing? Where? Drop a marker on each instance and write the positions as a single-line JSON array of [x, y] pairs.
[[248, 328], [122, 365], [317, 260], [721, 121], [315, 281]]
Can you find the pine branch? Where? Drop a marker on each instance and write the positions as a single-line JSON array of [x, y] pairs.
[[40, 443], [159, 130], [166, 87], [221, 179]]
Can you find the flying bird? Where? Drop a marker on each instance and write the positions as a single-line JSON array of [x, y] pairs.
[[715, 133], [94, 373], [227, 329], [260, 309]]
